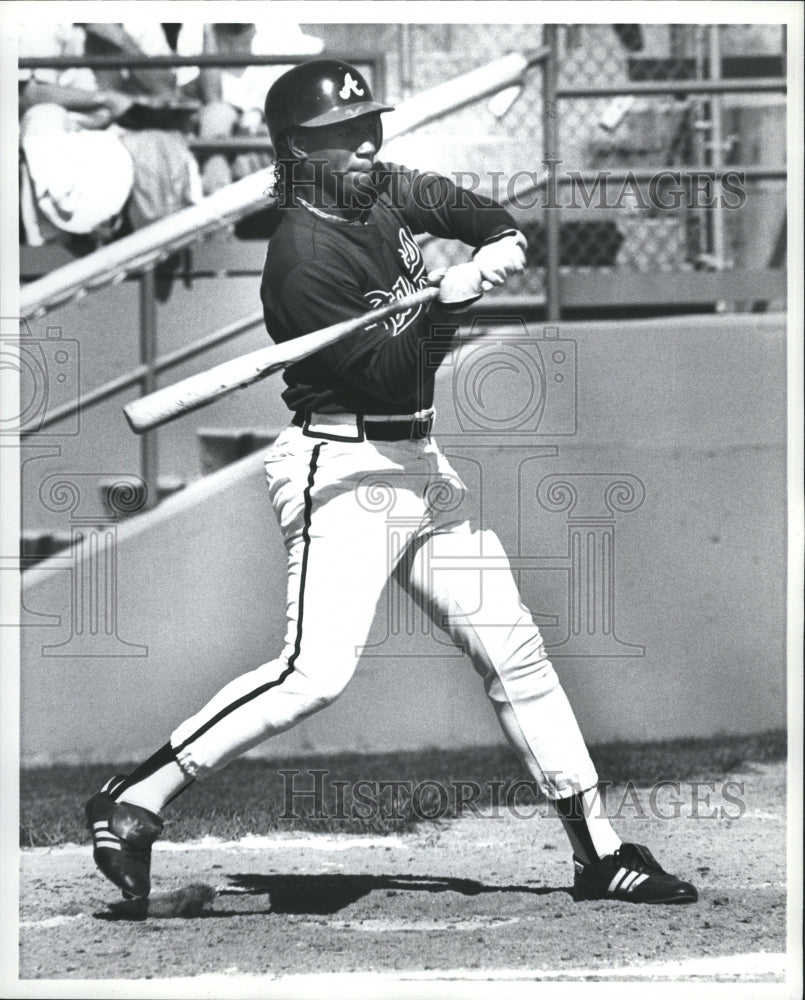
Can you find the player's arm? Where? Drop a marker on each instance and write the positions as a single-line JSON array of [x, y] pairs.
[[384, 366], [112, 38], [431, 203], [32, 92]]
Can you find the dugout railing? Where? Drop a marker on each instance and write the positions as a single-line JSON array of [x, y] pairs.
[[711, 280], [138, 255], [566, 290]]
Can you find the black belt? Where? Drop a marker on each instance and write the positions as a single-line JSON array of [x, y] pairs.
[[411, 429]]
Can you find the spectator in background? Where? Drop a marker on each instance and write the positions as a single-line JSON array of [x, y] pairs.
[[79, 168], [104, 39], [74, 178], [235, 95], [105, 150], [75, 89], [140, 38]]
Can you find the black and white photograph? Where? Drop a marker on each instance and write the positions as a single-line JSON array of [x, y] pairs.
[[401, 499]]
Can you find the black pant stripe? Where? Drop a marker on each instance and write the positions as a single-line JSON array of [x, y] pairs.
[[245, 699], [314, 459], [156, 761]]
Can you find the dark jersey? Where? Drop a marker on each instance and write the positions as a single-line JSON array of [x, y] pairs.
[[320, 270]]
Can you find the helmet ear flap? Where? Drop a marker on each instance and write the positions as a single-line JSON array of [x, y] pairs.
[[293, 146]]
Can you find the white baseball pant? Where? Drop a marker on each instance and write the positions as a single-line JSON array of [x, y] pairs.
[[352, 513]]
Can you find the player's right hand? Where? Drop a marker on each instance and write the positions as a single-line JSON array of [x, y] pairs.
[[460, 286], [502, 257]]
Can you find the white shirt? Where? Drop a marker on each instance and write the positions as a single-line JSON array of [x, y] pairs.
[[151, 39], [245, 87], [41, 39]]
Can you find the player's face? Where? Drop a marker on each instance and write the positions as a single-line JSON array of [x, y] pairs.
[[340, 158]]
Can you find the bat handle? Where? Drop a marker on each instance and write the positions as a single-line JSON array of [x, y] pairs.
[[435, 279]]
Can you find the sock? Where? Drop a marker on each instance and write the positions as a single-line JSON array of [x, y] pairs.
[[587, 827], [154, 783]]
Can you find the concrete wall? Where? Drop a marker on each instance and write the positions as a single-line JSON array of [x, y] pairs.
[[664, 445]]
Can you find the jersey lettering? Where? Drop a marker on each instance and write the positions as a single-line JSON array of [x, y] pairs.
[[351, 86], [380, 297], [404, 285], [411, 255]]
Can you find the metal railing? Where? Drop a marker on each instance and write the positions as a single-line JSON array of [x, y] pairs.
[[714, 87], [148, 246], [375, 61], [145, 248], [139, 253]]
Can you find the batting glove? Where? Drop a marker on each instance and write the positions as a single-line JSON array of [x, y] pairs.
[[502, 257], [459, 286]]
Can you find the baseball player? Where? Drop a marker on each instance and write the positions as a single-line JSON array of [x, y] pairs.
[[358, 454]]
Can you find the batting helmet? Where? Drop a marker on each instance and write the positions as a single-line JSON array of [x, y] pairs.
[[319, 92]]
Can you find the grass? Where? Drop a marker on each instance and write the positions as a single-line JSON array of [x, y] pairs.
[[249, 796]]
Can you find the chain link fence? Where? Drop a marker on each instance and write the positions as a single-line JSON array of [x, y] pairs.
[[495, 143], [620, 214], [626, 176], [662, 225], [610, 136]]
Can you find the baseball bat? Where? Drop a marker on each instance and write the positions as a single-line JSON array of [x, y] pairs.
[[200, 390]]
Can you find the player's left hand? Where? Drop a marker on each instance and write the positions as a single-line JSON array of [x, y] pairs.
[[502, 258], [459, 286]]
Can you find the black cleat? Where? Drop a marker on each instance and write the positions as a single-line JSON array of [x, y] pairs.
[[122, 835], [633, 875]]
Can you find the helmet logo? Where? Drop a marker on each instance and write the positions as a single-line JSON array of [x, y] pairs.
[[351, 86]]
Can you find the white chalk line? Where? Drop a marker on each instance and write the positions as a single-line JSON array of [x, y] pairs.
[[764, 815], [364, 926], [730, 968], [320, 842], [379, 926], [57, 921]]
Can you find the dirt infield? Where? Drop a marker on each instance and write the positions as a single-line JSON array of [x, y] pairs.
[[473, 897]]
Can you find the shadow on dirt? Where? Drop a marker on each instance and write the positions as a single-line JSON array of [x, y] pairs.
[[297, 894], [185, 903], [323, 894]]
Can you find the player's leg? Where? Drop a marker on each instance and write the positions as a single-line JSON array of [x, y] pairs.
[[330, 500], [462, 579], [461, 576], [338, 563]]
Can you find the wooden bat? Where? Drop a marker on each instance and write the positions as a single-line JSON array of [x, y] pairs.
[[192, 393]]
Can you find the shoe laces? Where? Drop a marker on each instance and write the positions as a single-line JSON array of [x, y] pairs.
[[637, 856]]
